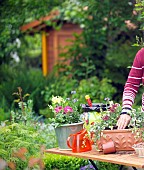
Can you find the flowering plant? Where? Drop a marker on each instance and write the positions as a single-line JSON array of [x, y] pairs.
[[106, 120], [66, 111]]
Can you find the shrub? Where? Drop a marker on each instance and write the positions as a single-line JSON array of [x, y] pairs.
[[31, 81], [53, 161], [23, 140], [97, 89]]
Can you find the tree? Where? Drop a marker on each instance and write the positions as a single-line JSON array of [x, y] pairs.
[[14, 13]]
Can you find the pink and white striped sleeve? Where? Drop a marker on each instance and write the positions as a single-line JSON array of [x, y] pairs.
[[133, 82]]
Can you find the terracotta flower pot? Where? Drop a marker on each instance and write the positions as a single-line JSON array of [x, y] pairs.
[[123, 139], [109, 147]]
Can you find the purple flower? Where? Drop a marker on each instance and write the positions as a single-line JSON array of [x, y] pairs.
[[75, 100], [68, 109], [68, 99], [73, 92], [58, 109], [106, 117], [87, 167]]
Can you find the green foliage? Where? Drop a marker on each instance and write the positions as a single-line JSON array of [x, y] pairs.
[[104, 37], [139, 7], [14, 13], [81, 65], [97, 90], [33, 43], [107, 166], [25, 137], [119, 59], [72, 11], [25, 112], [53, 161], [32, 55], [104, 24], [58, 86], [31, 81], [16, 136], [4, 115]]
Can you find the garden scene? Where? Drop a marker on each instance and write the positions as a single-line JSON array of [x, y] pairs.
[[65, 62]]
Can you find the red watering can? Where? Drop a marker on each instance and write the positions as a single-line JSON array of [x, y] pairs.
[[80, 142]]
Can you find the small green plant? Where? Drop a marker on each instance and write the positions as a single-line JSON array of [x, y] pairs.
[[25, 113]]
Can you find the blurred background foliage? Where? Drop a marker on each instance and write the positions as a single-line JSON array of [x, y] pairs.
[[100, 58]]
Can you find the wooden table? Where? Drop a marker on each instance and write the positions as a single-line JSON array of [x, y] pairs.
[[122, 159]]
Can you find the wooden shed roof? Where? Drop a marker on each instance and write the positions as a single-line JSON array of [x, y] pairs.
[[38, 25]]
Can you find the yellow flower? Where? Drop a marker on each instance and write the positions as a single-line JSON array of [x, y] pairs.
[[87, 97], [57, 100]]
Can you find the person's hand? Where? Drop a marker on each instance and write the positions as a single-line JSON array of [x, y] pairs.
[[123, 121]]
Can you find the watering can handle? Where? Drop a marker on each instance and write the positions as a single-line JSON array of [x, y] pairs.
[[68, 140]]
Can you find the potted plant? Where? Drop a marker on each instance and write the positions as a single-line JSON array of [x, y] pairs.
[[67, 118], [105, 130]]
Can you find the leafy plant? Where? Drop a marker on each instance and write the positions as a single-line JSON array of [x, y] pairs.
[[30, 80], [66, 111], [18, 140], [97, 89], [58, 86], [139, 7], [107, 165], [53, 161], [106, 119], [23, 140]]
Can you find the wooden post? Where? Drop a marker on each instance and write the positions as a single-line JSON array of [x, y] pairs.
[[44, 54]]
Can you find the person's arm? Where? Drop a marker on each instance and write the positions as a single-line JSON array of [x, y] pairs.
[[131, 88]]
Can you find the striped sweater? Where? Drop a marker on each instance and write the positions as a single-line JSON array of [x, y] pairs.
[[135, 78]]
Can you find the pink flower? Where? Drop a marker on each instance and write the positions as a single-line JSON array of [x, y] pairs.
[[58, 109], [113, 107], [87, 121], [68, 109], [106, 117]]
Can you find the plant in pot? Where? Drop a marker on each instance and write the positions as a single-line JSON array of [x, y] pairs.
[[105, 130], [67, 118]]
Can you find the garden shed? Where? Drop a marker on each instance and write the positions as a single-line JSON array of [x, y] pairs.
[[53, 41]]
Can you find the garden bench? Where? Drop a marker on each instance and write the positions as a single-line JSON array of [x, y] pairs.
[[128, 159]]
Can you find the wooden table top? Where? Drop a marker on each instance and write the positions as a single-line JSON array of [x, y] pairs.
[[129, 159]]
